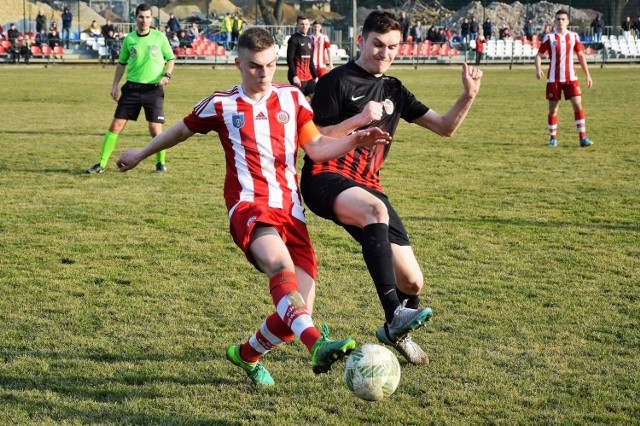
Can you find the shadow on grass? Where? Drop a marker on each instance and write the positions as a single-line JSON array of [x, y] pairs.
[[527, 223], [117, 398]]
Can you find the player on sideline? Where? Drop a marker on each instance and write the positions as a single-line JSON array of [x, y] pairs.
[[321, 49], [260, 125], [348, 191], [301, 69], [562, 77], [144, 54]]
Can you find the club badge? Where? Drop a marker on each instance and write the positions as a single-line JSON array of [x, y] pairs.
[[153, 50], [388, 106], [133, 52], [238, 120], [282, 117]]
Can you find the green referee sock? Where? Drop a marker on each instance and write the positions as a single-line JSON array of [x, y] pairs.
[[160, 156], [108, 144]]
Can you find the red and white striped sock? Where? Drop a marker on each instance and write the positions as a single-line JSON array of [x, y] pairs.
[[580, 123], [552, 120], [272, 333], [292, 309]]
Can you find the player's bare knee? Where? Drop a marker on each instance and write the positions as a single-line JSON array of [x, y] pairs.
[[377, 211]]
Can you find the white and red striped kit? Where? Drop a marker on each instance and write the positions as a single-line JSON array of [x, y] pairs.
[[260, 141], [320, 43], [560, 48]]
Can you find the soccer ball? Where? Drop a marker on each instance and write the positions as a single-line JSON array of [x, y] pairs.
[[372, 372]]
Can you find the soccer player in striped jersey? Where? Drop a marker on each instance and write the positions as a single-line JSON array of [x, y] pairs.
[[321, 49], [562, 78], [261, 124], [348, 190], [301, 69]]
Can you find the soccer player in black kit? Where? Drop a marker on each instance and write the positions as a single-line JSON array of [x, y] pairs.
[[348, 191], [302, 70]]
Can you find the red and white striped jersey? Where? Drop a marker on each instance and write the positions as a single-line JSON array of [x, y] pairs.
[[260, 141], [320, 43], [560, 48]]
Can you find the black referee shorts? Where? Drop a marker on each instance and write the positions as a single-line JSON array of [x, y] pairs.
[[135, 96], [320, 192], [308, 87]]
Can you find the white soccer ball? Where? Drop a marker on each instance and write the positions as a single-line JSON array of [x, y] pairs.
[[372, 372]]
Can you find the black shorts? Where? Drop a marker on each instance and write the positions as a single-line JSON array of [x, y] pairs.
[[319, 193], [308, 87], [136, 96]]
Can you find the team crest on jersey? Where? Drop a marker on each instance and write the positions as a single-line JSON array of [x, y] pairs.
[[282, 117], [238, 120], [133, 52], [154, 50], [388, 106]]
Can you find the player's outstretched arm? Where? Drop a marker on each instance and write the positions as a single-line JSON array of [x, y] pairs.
[[448, 124], [323, 148], [165, 140]]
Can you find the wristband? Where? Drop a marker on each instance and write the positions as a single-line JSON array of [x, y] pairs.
[[168, 75]]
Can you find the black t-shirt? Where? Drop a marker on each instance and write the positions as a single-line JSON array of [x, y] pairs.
[[342, 94]]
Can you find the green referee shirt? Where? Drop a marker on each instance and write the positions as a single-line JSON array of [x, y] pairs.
[[145, 56]]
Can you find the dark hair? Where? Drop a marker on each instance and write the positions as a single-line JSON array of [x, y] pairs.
[[381, 22], [256, 39], [562, 12], [301, 18], [142, 7]]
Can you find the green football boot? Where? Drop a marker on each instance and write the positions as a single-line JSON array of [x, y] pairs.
[[256, 371], [326, 351]]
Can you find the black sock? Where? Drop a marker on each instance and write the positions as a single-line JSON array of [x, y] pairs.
[[376, 250], [412, 301]]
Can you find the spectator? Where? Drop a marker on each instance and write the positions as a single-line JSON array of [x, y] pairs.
[[529, 29], [115, 45], [193, 31], [417, 32], [94, 30], [42, 39], [636, 27], [279, 38], [2, 36], [106, 28], [321, 50], [597, 25], [225, 31], [474, 28], [54, 26], [545, 31], [236, 27], [406, 25], [185, 41], [173, 24], [12, 32], [301, 69], [448, 36], [25, 49], [480, 42], [15, 49], [464, 31], [487, 29], [626, 28], [41, 21], [432, 34], [174, 42], [54, 38], [67, 18], [504, 32]]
